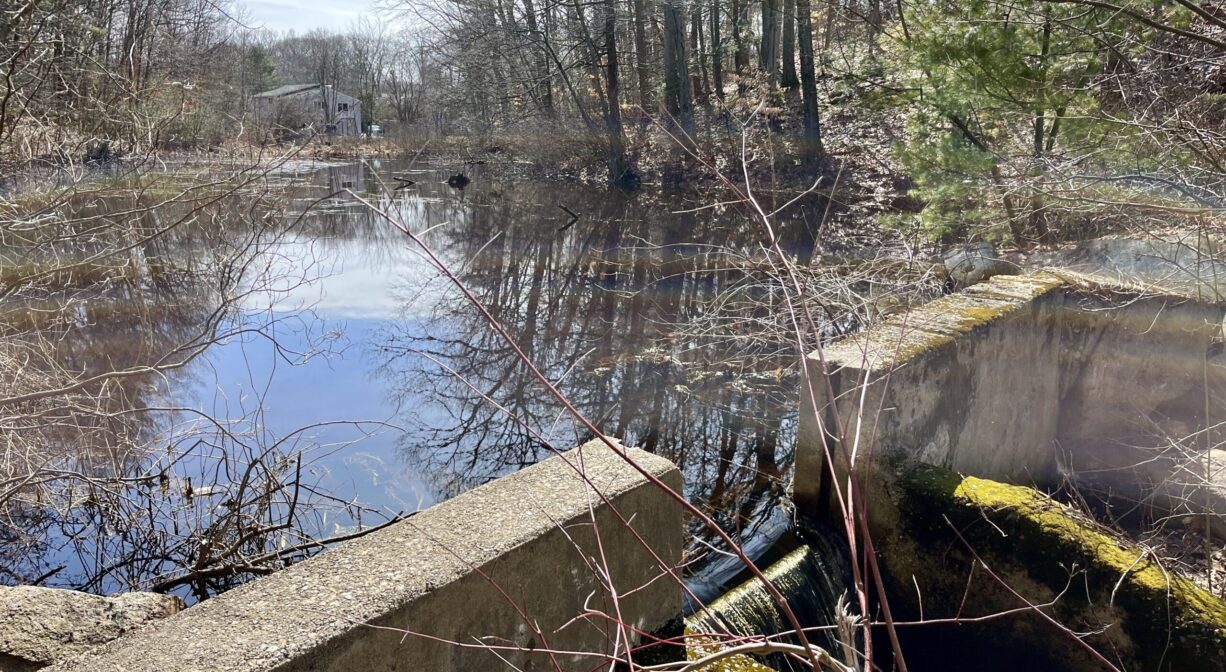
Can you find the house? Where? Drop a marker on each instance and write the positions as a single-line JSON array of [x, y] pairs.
[[298, 106]]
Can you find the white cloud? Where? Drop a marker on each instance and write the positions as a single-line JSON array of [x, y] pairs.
[[345, 278], [300, 16]]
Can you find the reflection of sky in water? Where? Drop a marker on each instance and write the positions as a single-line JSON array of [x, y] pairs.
[[341, 279], [329, 298], [597, 306], [351, 460], [556, 292]]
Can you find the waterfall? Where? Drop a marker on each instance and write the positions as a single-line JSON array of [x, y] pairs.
[[812, 577]]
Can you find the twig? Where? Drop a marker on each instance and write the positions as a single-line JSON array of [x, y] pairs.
[[574, 217]]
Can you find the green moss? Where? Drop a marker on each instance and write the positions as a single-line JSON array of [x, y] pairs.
[[1111, 555], [985, 314], [903, 352], [1163, 621], [700, 647]]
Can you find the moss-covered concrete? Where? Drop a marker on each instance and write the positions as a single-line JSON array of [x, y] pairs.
[[934, 324], [1142, 616], [1028, 380]]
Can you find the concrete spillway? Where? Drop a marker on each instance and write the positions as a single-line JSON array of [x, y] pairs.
[[949, 412], [1030, 380]]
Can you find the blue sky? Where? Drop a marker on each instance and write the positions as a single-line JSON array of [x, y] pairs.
[[302, 16]]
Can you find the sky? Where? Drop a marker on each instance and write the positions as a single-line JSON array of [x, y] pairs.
[[304, 15]]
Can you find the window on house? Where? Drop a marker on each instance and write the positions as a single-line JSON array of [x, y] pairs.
[[342, 107]]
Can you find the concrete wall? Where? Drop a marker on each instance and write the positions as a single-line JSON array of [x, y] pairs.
[[453, 572], [1025, 379], [1127, 602]]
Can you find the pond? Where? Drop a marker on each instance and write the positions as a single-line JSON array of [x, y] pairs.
[[340, 379]]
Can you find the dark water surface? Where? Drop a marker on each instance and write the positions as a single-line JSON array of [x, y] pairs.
[[641, 311]]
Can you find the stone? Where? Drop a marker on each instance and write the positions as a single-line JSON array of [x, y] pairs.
[[973, 263], [41, 626]]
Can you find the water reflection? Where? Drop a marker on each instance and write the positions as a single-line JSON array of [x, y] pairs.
[[616, 308], [116, 330], [117, 472], [610, 309], [646, 312]]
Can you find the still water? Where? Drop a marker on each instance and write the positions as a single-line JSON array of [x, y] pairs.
[[347, 361]]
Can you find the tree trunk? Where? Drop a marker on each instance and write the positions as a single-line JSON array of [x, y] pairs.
[[717, 52], [740, 58], [542, 84], [812, 149], [619, 169], [789, 79], [702, 52], [641, 56], [1038, 211], [676, 67], [768, 55], [698, 50], [578, 19]]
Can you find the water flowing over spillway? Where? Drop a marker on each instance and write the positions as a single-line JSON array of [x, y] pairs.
[[813, 578]]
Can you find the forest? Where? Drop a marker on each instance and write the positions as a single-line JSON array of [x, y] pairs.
[[1022, 121]]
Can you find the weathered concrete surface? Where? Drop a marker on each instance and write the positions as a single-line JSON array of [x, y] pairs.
[[926, 375], [1185, 262], [1026, 379], [39, 626], [933, 527], [451, 572]]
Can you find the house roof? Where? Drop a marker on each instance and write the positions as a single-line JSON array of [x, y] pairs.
[[286, 90]]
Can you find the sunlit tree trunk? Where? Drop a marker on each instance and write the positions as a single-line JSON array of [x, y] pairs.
[[642, 57], [717, 52], [619, 169], [740, 58], [1038, 213]]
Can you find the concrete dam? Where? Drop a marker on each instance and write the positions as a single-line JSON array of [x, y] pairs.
[[958, 417], [962, 413], [1034, 379]]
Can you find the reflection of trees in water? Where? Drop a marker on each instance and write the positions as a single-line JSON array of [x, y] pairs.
[[103, 484], [602, 307], [152, 305], [664, 342]]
